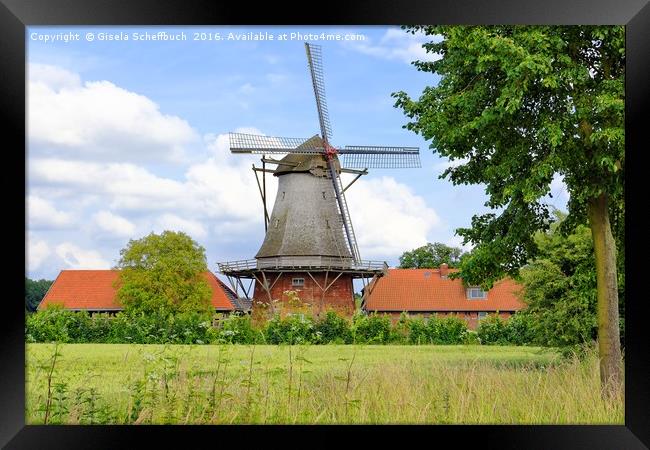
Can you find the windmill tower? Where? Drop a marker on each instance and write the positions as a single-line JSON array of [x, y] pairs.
[[310, 246]]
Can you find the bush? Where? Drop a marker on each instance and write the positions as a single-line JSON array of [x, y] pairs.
[[159, 328], [55, 324], [332, 329], [237, 329], [293, 329], [493, 331], [449, 330], [399, 333], [371, 329], [519, 329]]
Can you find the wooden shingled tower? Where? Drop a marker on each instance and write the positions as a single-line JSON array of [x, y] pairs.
[[310, 246]]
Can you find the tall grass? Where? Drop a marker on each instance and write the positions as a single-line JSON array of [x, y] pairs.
[[228, 384]]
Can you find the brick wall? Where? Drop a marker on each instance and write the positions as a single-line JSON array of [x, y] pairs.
[[339, 296]]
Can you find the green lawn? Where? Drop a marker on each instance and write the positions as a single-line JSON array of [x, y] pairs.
[[106, 383]]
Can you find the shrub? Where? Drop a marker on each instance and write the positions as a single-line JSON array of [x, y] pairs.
[[293, 329], [492, 331], [519, 329], [471, 338], [237, 329], [332, 329], [448, 330], [419, 332], [400, 331], [371, 329], [54, 324]]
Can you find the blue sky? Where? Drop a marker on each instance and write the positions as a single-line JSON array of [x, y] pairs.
[[128, 137]]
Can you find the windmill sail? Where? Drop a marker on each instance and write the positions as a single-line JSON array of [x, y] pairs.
[[256, 143], [378, 157], [315, 60], [345, 214]]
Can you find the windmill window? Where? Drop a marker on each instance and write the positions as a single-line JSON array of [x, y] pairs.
[[277, 222], [476, 293], [297, 282], [282, 195]]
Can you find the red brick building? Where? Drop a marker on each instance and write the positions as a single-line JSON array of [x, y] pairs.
[[430, 291], [95, 291]]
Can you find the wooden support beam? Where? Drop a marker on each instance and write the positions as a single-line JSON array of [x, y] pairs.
[[360, 172], [314, 279], [266, 214], [352, 182], [277, 161], [334, 280]]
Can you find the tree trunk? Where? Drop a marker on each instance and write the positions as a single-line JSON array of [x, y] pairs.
[[609, 344]]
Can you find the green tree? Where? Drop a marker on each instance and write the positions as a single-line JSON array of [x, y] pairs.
[[560, 287], [521, 105], [162, 274], [430, 256], [34, 292]]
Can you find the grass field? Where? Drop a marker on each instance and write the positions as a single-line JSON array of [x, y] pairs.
[[104, 383]]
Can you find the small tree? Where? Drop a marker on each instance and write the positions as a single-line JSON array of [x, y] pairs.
[[163, 274], [430, 256]]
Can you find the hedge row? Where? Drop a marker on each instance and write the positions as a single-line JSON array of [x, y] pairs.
[[193, 328]]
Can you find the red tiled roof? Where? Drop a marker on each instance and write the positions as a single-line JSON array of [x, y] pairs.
[[425, 290], [94, 290]]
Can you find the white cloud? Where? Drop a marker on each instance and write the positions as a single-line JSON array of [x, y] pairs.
[[396, 44], [37, 252], [42, 214], [388, 218], [114, 224], [98, 119], [246, 88], [172, 222], [220, 190], [54, 77], [77, 258]]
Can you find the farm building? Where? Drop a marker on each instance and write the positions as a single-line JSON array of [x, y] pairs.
[[94, 291], [430, 291]]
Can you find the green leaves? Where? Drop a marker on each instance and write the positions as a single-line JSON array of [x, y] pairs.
[[431, 256], [163, 274], [521, 104]]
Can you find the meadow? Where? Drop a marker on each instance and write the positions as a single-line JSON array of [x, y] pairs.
[[308, 384]]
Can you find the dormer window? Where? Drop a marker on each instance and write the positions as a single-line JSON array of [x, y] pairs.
[[476, 293]]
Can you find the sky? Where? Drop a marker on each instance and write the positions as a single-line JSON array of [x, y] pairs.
[[128, 135]]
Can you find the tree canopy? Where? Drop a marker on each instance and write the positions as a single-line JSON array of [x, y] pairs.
[[522, 104], [519, 106], [430, 256], [163, 274]]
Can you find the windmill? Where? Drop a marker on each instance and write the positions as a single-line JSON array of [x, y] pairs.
[[310, 245]]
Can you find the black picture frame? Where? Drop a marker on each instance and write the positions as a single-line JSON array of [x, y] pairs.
[[15, 15]]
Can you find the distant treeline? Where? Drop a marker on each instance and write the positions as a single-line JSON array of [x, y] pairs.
[[34, 292]]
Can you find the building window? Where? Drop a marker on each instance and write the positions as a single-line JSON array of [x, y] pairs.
[[482, 315], [297, 282], [474, 293]]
